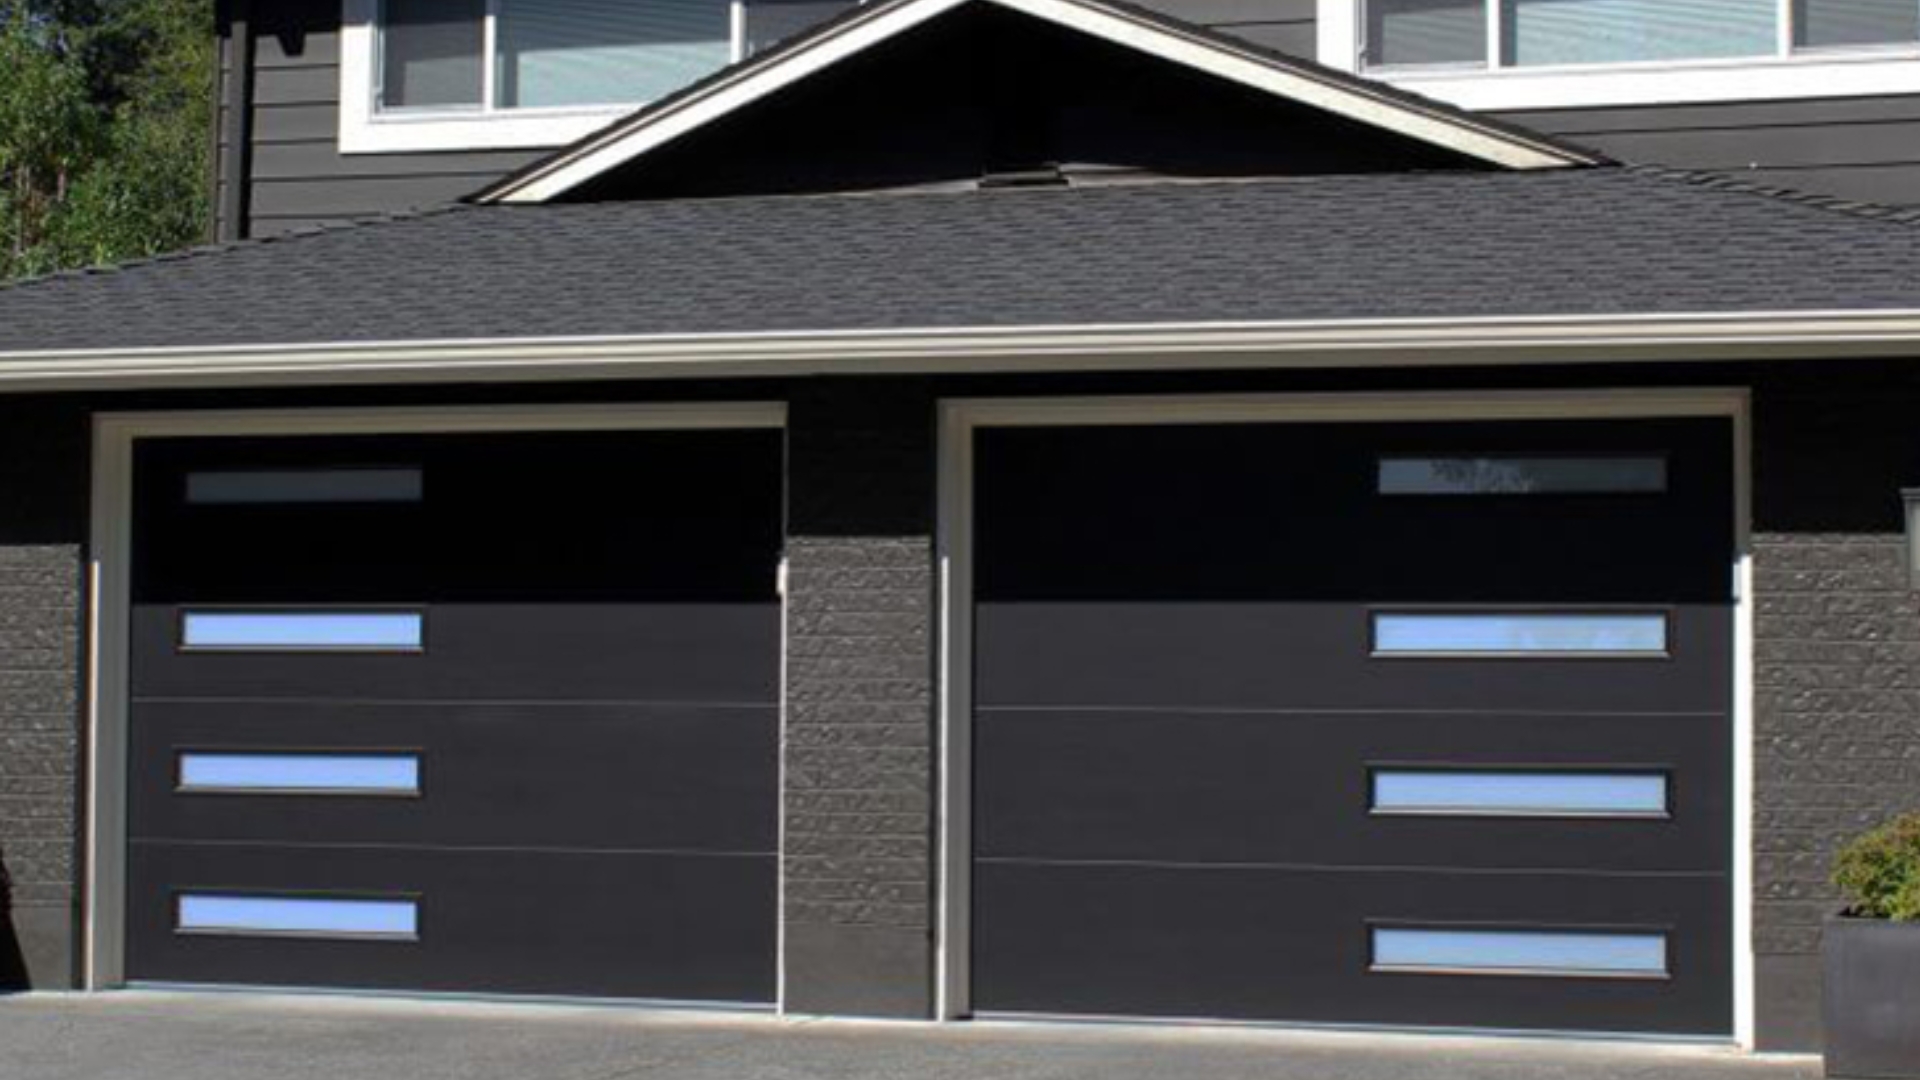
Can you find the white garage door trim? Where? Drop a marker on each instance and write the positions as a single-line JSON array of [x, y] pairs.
[[960, 418], [109, 573]]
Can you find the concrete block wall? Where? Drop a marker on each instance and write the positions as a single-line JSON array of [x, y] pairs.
[[858, 868], [42, 508], [1837, 660]]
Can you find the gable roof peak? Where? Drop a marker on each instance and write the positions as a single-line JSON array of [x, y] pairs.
[[872, 24]]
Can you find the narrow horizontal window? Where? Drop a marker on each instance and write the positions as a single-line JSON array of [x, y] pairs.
[[1521, 952], [301, 631], [304, 486], [1421, 634], [1522, 475], [1516, 793], [351, 774], [289, 916]]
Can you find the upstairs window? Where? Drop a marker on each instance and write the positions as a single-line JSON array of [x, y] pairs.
[[1840, 24], [1502, 34], [486, 56]]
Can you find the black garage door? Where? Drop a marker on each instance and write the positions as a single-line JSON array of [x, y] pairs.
[[1411, 724], [482, 713]]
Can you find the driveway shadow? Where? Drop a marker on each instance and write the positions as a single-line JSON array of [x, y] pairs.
[[13, 963]]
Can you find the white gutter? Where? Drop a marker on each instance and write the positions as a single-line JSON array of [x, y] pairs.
[[1324, 343]]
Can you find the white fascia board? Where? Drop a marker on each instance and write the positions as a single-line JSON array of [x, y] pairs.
[[1328, 344], [623, 143]]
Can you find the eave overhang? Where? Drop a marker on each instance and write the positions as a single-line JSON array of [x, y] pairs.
[[1534, 340]]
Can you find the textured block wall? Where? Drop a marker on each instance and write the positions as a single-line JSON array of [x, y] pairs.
[[858, 905], [42, 506], [1837, 661]]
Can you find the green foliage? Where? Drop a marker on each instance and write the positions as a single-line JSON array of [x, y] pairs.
[[105, 122], [1879, 872]]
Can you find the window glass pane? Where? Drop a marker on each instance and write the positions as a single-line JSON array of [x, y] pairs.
[[296, 916], [1828, 23], [594, 52], [304, 486], [430, 52], [1434, 791], [1615, 31], [1548, 634], [295, 630], [1522, 476], [1426, 32], [1520, 952], [351, 773]]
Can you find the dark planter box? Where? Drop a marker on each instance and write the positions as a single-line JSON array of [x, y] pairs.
[[1871, 1000]]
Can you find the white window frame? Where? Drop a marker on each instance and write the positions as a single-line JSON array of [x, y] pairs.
[[1787, 73], [366, 129]]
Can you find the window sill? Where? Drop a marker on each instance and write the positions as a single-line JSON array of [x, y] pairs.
[[1813, 75], [530, 129]]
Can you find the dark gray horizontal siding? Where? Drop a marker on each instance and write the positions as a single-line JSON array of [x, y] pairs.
[[307, 84], [364, 196], [306, 159], [1292, 38], [1860, 148], [297, 50], [1737, 114], [769, 22], [1286, 26], [1220, 12], [1856, 148], [296, 123]]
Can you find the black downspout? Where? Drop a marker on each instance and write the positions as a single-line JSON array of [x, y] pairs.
[[236, 129]]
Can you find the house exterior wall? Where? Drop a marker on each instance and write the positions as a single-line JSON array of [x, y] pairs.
[[1858, 148], [1866, 149], [43, 455], [1837, 665], [858, 843], [1837, 651]]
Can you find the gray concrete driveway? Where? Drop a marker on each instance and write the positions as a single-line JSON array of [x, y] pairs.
[[152, 1035]]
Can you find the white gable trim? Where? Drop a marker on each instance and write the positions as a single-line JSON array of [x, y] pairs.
[[1336, 94]]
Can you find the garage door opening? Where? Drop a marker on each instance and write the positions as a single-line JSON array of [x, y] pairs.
[[1413, 723], [471, 712]]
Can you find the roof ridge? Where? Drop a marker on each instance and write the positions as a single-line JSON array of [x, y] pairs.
[[204, 251], [1720, 181]]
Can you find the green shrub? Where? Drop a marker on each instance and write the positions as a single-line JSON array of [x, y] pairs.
[[1879, 872]]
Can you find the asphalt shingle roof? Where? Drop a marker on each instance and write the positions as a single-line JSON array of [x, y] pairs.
[[1552, 242]]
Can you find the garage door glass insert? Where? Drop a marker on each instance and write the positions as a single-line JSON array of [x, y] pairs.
[[1421, 724], [465, 713]]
